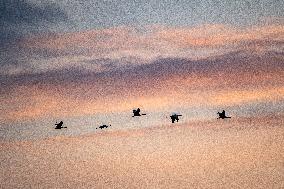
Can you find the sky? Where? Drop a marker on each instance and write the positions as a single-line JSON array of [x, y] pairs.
[[92, 62]]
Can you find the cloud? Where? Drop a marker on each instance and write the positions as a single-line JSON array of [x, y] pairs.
[[158, 40], [164, 84], [120, 44], [20, 18], [17, 12], [35, 103], [211, 36], [248, 96]]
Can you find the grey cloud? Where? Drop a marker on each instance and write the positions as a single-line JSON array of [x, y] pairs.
[[20, 11], [264, 43], [47, 53], [20, 17]]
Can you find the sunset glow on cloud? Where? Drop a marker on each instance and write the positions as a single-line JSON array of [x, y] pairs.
[[141, 94], [155, 41], [64, 63]]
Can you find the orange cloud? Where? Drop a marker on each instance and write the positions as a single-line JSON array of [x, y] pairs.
[[248, 96], [33, 103], [219, 35]]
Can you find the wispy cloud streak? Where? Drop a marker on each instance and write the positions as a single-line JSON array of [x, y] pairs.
[[138, 46]]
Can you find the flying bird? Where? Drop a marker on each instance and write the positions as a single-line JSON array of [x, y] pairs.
[[222, 115], [59, 125], [175, 117], [103, 126], [137, 112]]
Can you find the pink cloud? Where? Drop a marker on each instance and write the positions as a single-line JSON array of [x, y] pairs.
[[131, 46], [219, 35], [157, 41], [126, 38]]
